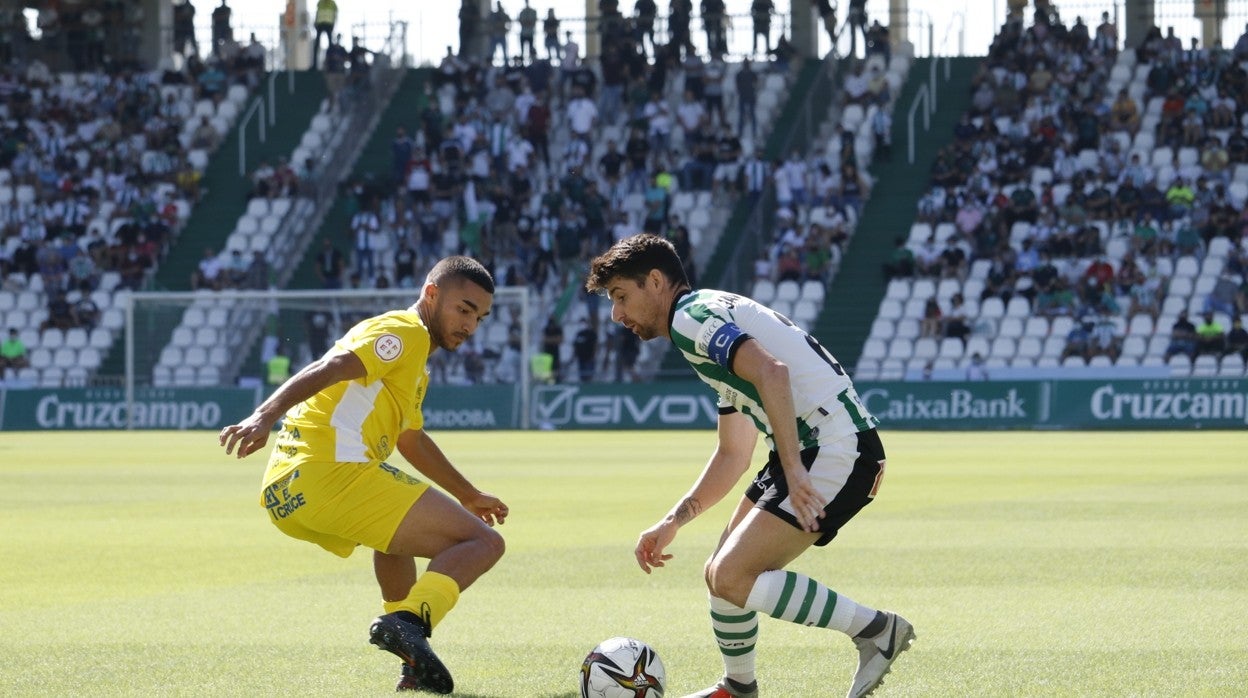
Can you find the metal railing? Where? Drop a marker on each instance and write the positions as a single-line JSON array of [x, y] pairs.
[[257, 107]]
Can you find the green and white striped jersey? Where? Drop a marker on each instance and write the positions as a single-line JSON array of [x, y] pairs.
[[708, 326]]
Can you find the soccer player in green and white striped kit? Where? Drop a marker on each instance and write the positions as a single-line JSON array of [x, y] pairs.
[[826, 460]]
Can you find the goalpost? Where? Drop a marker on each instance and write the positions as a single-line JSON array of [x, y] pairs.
[[215, 339]]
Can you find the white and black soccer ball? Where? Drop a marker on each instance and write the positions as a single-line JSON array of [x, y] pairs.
[[623, 668]]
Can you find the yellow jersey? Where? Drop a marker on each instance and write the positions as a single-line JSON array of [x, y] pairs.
[[358, 421]]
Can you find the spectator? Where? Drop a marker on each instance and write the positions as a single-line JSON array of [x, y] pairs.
[[760, 14], [550, 28], [552, 343], [977, 370], [60, 313], [1182, 337], [585, 348], [1236, 339], [207, 273], [931, 321], [222, 33], [325, 19], [1079, 340], [335, 69], [1210, 336], [329, 265], [12, 353], [857, 20], [528, 30], [500, 25]]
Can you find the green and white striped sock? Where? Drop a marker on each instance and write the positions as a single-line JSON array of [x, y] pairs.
[[736, 632], [799, 599]]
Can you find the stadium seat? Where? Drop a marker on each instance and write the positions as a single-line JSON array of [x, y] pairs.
[[788, 291], [1205, 366], [1134, 346], [875, 349], [162, 376], [867, 370], [76, 338], [76, 377], [1018, 308], [52, 338], [783, 307], [898, 289], [170, 356], [217, 317], [922, 289], [207, 376], [1141, 325], [950, 348], [977, 345], [1180, 365], [194, 316], [64, 357], [764, 291], [907, 328], [926, 348], [1030, 348], [813, 290], [183, 376], [892, 370], [992, 308], [1036, 327], [900, 349], [882, 329], [90, 358], [1011, 327], [805, 311], [218, 356], [1004, 348], [40, 358], [1073, 362], [51, 377], [914, 307], [206, 337], [947, 288], [1232, 366], [183, 337], [195, 356], [1186, 266]]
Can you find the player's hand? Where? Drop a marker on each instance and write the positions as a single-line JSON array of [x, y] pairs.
[[486, 507], [249, 435], [806, 501], [652, 542]]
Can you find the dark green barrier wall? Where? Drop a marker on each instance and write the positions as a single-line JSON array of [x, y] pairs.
[[1095, 404], [105, 408]]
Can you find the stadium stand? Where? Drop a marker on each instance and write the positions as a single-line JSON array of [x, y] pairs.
[[102, 175], [1090, 200]]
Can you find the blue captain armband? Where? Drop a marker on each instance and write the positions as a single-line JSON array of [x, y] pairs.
[[723, 344]]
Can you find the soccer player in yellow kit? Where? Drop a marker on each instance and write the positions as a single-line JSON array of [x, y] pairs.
[[328, 481]]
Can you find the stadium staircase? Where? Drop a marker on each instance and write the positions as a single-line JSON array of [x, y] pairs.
[[224, 197], [890, 211], [373, 163]]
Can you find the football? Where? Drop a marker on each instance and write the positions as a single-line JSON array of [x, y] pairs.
[[623, 668]]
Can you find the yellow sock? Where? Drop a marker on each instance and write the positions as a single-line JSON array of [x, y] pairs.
[[431, 598]]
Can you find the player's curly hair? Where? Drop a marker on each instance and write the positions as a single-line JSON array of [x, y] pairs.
[[459, 267], [633, 258]]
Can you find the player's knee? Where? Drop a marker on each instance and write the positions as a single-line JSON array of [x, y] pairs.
[[727, 582], [492, 545]]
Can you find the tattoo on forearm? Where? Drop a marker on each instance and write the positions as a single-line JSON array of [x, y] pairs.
[[687, 510]]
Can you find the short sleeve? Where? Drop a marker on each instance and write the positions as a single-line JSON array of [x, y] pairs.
[[384, 344]]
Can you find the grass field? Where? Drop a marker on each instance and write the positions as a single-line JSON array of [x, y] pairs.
[[1032, 564]]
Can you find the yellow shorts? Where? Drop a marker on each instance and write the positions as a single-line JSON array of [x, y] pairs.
[[339, 505]]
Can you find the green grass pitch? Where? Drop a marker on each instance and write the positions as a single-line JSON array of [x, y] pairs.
[[1032, 564]]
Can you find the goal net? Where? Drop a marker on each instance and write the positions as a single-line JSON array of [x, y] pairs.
[[208, 339]]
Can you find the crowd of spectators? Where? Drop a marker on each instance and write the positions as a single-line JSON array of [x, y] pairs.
[[96, 174], [534, 165], [1045, 173]]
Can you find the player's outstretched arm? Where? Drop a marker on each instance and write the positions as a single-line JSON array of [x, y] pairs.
[[252, 433], [420, 450], [737, 437]]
